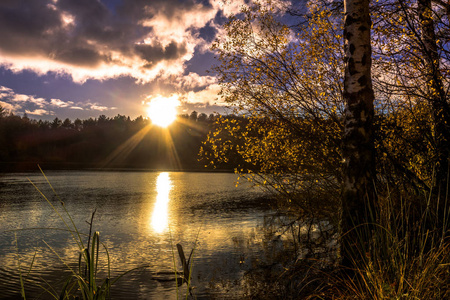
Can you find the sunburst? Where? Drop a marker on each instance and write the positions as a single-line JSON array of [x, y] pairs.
[[163, 110]]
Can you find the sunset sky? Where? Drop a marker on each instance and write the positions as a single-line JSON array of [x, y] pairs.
[[84, 58]]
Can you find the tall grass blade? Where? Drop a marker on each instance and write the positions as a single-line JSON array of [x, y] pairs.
[[31, 264], [80, 245], [64, 207], [174, 262], [83, 280], [22, 286]]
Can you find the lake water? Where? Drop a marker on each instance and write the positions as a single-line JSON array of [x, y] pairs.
[[139, 215]]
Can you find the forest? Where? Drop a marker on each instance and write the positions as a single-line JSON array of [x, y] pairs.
[[101, 143]]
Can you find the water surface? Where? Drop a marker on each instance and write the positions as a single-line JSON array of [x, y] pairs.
[[140, 217]]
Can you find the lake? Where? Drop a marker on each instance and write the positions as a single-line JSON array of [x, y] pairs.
[[141, 216]]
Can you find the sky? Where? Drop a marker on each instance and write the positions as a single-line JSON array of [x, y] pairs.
[[85, 58]]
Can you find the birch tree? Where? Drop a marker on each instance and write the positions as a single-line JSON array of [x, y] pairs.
[[358, 140]]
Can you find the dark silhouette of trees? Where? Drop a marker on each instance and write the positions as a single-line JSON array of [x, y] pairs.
[[202, 117], [411, 40], [56, 123], [88, 143], [193, 116], [438, 96]]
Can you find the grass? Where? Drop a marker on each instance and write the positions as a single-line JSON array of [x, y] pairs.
[[186, 274], [83, 282], [408, 258], [408, 255]]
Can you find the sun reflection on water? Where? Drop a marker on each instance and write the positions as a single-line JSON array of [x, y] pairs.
[[160, 217]]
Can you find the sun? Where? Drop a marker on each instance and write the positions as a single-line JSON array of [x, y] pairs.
[[163, 110]]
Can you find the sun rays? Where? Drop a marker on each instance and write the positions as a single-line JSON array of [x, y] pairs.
[[166, 149], [161, 140]]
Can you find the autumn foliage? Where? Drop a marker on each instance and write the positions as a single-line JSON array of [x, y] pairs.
[[282, 71]]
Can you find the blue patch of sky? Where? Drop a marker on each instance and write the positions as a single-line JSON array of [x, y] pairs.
[[201, 63], [111, 92], [112, 5], [208, 32]]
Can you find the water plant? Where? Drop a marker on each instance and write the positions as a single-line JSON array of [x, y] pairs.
[[185, 275], [407, 257], [83, 280]]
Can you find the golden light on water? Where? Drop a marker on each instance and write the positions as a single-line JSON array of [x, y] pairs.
[[160, 217]]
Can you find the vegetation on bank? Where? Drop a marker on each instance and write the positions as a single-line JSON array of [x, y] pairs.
[[375, 164]]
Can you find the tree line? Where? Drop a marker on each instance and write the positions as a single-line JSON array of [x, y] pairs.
[[103, 142]]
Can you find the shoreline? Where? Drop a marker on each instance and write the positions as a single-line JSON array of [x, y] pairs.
[[27, 167]]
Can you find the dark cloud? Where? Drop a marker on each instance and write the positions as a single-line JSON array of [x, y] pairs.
[[86, 10], [146, 9], [155, 53], [83, 32], [27, 18], [25, 26], [69, 31], [95, 21], [80, 56]]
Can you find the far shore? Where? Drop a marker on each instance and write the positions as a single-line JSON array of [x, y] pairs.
[[24, 167]]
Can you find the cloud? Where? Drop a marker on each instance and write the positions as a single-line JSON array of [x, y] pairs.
[[40, 112], [157, 52], [209, 96], [9, 107], [60, 103], [193, 80], [39, 102], [76, 108], [92, 106], [4, 89], [93, 39], [17, 100], [95, 106], [18, 97], [19, 103]]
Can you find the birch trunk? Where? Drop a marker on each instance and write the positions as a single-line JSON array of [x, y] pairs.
[[358, 140]]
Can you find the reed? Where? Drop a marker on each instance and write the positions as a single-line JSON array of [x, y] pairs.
[[185, 275], [408, 257], [83, 282]]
